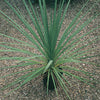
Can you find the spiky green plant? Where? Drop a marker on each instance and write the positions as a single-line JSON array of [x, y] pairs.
[[54, 54]]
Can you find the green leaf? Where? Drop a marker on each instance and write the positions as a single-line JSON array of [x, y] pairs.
[[11, 74], [55, 87], [48, 66], [15, 50], [11, 58], [48, 81], [13, 38], [32, 75], [66, 33], [61, 83], [76, 69], [21, 65]]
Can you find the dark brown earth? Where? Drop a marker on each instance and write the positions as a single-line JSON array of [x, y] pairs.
[[34, 90]]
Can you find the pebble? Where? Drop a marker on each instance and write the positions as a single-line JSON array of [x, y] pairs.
[[83, 64]]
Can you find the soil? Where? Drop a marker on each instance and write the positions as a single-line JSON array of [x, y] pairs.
[[35, 90]]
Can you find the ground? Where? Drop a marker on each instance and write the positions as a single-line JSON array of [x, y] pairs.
[[34, 90]]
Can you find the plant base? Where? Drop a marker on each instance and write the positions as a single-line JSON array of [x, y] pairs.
[[51, 85]]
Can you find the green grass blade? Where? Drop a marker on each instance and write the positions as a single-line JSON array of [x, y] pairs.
[[79, 78], [55, 27], [52, 75], [65, 34], [13, 38], [61, 83], [20, 65], [60, 70], [11, 58], [48, 81], [29, 78], [76, 69], [26, 44], [89, 57], [48, 66], [16, 50], [70, 60], [21, 58], [62, 19], [77, 52], [37, 26], [20, 16], [18, 80], [75, 33], [22, 31], [82, 17], [71, 46], [18, 72]]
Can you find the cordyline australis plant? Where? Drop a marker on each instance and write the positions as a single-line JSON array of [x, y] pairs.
[[54, 56]]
